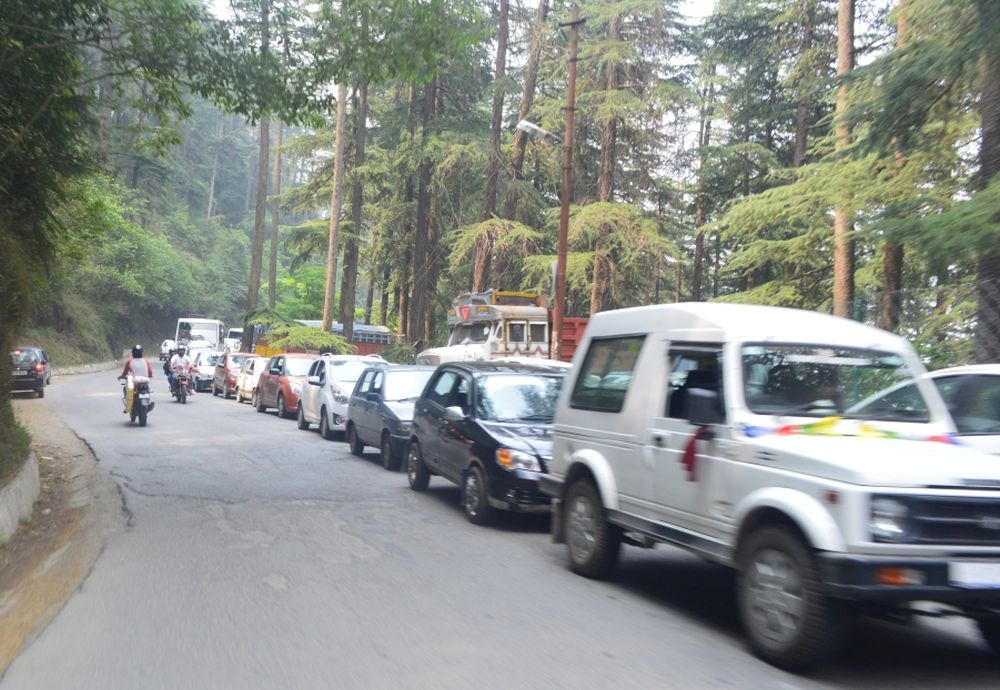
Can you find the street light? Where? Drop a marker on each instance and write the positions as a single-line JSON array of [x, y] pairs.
[[535, 132]]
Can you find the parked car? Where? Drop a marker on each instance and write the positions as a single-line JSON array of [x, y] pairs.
[[740, 433], [328, 388], [166, 347], [226, 370], [380, 413], [487, 427], [30, 370], [280, 384], [246, 380], [205, 361]]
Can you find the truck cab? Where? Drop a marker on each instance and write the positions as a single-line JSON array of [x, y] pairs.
[[807, 452], [493, 325]]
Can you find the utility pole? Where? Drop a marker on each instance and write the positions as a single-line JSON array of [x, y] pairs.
[[559, 310]]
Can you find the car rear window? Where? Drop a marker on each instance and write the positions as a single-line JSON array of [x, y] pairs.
[[606, 373], [23, 358]]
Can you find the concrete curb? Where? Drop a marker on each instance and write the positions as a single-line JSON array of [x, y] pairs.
[[18, 497], [86, 368]]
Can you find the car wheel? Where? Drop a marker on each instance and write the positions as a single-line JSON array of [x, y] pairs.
[[257, 402], [989, 628], [282, 410], [324, 426], [475, 497], [300, 419], [592, 542], [357, 447], [416, 470], [41, 391], [389, 459], [791, 623]]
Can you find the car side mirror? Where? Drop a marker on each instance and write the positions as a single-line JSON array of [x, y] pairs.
[[275, 370], [454, 413], [314, 381], [703, 407]]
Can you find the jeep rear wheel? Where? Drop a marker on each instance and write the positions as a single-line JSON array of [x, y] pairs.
[[592, 542], [789, 620]]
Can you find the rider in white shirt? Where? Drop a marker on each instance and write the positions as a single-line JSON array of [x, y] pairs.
[[181, 363]]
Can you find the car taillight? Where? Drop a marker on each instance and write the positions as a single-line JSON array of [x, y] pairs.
[[39, 368]]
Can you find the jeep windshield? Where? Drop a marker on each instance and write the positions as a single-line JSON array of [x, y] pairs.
[[814, 381]]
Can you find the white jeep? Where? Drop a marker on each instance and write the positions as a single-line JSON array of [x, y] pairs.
[[756, 437]]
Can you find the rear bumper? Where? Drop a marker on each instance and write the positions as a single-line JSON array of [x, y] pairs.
[[27, 384], [857, 578]]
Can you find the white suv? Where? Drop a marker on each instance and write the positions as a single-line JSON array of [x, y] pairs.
[[736, 432], [327, 392]]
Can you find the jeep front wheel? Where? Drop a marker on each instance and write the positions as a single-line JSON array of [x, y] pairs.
[[790, 622], [592, 542]]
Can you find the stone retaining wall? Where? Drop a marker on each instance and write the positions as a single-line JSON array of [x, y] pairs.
[[86, 368], [18, 497]]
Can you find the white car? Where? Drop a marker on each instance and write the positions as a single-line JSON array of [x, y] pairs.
[[327, 392], [205, 361], [972, 394], [246, 380]]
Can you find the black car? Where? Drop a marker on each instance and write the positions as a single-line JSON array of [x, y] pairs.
[[30, 370], [381, 410], [487, 427]]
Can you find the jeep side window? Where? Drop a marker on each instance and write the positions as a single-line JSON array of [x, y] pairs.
[[606, 374], [691, 369]]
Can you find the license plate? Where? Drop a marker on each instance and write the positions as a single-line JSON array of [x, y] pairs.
[[969, 575], [20, 372]]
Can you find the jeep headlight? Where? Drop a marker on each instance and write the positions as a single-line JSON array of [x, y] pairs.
[[516, 460], [890, 519]]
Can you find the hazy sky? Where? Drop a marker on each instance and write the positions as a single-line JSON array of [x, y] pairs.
[[697, 8]]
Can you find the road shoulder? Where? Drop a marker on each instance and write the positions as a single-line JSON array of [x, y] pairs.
[[78, 509]]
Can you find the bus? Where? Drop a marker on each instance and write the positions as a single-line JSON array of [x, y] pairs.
[[198, 333]]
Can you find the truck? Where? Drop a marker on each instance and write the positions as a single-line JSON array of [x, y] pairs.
[[195, 332], [501, 324]]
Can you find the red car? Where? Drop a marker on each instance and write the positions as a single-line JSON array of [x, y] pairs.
[[226, 370], [281, 383]]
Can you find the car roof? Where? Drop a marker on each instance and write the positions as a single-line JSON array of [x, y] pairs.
[[721, 322], [297, 355], [491, 367]]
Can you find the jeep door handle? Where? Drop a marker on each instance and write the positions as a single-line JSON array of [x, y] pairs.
[[658, 440]]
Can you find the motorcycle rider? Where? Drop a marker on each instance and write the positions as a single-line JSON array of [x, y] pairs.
[[137, 370], [180, 362]]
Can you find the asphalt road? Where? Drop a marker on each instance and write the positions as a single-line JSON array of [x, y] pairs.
[[261, 556]]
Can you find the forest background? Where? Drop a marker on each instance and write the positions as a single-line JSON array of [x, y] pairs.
[[161, 158]]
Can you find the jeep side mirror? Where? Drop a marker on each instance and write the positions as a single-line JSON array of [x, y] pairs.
[[454, 413], [703, 407], [314, 381]]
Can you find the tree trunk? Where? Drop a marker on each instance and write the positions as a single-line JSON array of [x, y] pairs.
[[260, 215], [705, 129], [252, 164], [892, 253], [383, 307], [215, 166], [370, 297], [484, 248], [843, 246], [272, 266], [527, 101], [336, 201], [601, 290], [420, 300], [349, 288], [987, 335], [803, 103]]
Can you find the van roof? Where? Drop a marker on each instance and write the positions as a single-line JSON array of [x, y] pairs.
[[717, 322]]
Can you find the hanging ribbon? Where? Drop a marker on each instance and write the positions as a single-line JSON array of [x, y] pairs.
[[690, 456]]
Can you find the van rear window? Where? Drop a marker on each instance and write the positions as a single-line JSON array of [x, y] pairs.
[[606, 374]]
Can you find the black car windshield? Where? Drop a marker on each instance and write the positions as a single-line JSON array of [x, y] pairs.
[[297, 366], [817, 381], [403, 385], [517, 397], [20, 358]]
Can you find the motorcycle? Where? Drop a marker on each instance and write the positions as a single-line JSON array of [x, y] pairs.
[[182, 383], [136, 398]]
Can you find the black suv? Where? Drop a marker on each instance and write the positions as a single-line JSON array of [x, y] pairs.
[[30, 370], [486, 427]]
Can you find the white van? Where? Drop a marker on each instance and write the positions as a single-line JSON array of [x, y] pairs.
[[747, 435]]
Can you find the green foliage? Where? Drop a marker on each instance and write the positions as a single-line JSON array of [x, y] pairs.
[[297, 337], [400, 353], [14, 441]]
